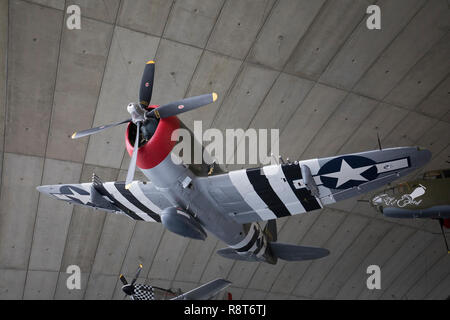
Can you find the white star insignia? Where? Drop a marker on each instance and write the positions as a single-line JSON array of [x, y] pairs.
[[347, 173], [83, 198]]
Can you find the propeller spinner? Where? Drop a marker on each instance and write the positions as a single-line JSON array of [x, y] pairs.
[[140, 115]]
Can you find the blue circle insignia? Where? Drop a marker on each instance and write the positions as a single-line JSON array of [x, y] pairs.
[[347, 172]]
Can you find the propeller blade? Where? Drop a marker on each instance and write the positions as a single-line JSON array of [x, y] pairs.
[[146, 89], [88, 132], [184, 105], [124, 281], [132, 166], [137, 274]]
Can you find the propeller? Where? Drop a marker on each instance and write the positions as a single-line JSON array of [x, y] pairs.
[[88, 132], [181, 106], [140, 114], [128, 288], [146, 89]]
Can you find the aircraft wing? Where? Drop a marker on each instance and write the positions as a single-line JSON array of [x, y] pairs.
[[275, 191], [206, 291], [142, 201]]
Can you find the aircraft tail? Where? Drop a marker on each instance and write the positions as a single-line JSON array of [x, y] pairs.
[[284, 251], [270, 230], [290, 252], [276, 250], [232, 254]]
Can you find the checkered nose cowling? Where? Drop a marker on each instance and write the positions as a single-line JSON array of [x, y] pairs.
[[137, 291], [143, 292]]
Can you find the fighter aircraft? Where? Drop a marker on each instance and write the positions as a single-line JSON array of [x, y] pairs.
[[426, 197], [188, 200], [137, 291]]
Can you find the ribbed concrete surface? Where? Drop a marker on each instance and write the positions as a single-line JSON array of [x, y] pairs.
[[310, 68]]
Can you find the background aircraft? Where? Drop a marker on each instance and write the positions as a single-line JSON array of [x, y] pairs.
[[137, 291], [228, 205], [426, 197]]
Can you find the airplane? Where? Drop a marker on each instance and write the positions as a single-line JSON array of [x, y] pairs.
[[426, 197], [192, 199], [137, 291]]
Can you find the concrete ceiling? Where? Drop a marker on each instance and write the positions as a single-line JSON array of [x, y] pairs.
[[310, 68]]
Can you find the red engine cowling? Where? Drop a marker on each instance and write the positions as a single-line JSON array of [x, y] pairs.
[[447, 223], [158, 147]]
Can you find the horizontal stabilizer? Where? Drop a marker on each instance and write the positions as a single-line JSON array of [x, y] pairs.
[[290, 252]]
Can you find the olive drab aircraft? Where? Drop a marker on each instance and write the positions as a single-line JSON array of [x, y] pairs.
[[192, 199], [426, 197], [137, 291]]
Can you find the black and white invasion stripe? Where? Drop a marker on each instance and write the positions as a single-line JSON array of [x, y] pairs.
[[135, 201], [292, 172], [254, 242], [128, 201], [265, 191], [270, 191], [249, 240]]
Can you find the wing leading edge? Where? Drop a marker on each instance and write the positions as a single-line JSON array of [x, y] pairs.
[[142, 201]]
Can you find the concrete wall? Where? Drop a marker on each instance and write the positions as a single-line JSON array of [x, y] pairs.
[[311, 69]]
